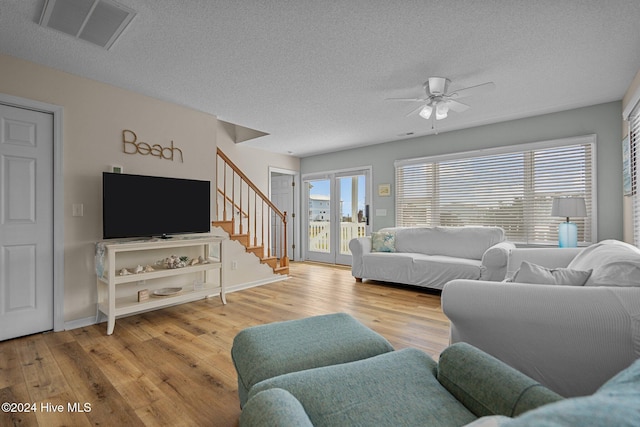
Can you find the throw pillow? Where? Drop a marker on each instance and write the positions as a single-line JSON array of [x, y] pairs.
[[614, 263], [383, 241], [614, 404], [616, 273], [532, 273]]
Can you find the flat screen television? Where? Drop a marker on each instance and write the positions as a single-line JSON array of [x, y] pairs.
[[152, 206]]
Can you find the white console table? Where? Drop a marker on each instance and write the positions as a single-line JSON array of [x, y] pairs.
[[111, 259]]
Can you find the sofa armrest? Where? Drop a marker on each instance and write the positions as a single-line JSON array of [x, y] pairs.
[[358, 247], [487, 386], [494, 261], [569, 338], [546, 257], [274, 407]]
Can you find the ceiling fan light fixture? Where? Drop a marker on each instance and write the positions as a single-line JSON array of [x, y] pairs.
[[438, 98], [426, 111], [442, 111]]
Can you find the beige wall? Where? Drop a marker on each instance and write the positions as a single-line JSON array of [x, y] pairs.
[[95, 114], [254, 163], [627, 213]]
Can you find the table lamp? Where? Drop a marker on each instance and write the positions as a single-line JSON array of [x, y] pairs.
[[568, 207]]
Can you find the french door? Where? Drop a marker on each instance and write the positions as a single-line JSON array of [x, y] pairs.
[[337, 211]]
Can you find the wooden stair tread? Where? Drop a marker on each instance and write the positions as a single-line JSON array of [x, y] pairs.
[[225, 225], [271, 262], [243, 238], [281, 270]]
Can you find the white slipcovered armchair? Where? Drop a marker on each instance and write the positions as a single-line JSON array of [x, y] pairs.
[[570, 338]]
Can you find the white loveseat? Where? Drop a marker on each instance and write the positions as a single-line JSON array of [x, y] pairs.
[[570, 337], [430, 256]]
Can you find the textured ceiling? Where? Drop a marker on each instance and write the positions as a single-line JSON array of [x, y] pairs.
[[314, 75]]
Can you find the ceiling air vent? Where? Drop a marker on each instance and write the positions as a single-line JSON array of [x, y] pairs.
[[97, 21]]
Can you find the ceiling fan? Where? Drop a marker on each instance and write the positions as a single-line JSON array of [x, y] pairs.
[[439, 100]]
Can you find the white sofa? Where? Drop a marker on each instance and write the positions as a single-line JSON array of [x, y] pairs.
[[431, 256], [569, 338]]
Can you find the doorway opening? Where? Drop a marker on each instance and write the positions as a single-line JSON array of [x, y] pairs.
[[337, 210], [283, 194]]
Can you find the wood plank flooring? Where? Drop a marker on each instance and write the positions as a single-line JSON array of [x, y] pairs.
[[172, 367]]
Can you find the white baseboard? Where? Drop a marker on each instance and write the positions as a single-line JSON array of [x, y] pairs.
[[79, 323], [241, 286]]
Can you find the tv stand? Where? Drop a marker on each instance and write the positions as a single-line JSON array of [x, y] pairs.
[[116, 299]]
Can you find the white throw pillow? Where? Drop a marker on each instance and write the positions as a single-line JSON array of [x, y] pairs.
[[614, 263], [532, 273]]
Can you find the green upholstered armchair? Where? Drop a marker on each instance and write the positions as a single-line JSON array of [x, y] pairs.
[[398, 388]]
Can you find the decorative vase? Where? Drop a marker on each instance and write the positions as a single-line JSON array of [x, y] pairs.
[[568, 235]]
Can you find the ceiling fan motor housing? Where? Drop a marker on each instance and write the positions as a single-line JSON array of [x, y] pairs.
[[437, 85]]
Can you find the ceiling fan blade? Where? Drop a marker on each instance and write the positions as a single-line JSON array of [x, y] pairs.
[[456, 106], [407, 99], [472, 90]]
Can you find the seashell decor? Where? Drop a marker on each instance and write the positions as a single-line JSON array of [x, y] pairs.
[[170, 262], [174, 262]]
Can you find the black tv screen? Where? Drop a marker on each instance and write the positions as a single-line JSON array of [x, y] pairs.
[[146, 206]]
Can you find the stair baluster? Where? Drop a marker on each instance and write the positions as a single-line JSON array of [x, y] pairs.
[[266, 237]]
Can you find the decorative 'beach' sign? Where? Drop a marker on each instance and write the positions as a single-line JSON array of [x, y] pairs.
[[130, 145]]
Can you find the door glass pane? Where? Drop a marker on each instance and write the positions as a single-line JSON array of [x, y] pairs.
[[352, 210], [319, 231]]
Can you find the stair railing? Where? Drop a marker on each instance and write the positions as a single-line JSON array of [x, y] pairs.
[[252, 213]]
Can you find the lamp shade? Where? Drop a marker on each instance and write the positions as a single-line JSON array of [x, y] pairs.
[[442, 110], [426, 112], [569, 207]]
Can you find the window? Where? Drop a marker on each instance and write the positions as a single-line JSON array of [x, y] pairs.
[[511, 187]]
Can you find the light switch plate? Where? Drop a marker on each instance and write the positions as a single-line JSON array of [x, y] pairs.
[[77, 209]]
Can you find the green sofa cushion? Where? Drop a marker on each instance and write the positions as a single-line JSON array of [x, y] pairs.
[[266, 351], [398, 388]]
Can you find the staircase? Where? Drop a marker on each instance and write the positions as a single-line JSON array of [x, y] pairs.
[[249, 217]]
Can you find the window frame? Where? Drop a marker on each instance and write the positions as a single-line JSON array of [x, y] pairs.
[[633, 120]]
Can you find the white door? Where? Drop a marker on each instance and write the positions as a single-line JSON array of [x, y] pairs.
[[318, 195], [26, 222], [353, 193], [338, 208], [282, 197]]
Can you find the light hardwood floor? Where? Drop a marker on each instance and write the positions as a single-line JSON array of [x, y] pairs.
[[172, 367]]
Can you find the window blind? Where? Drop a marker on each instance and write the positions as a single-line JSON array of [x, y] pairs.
[[509, 187]]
